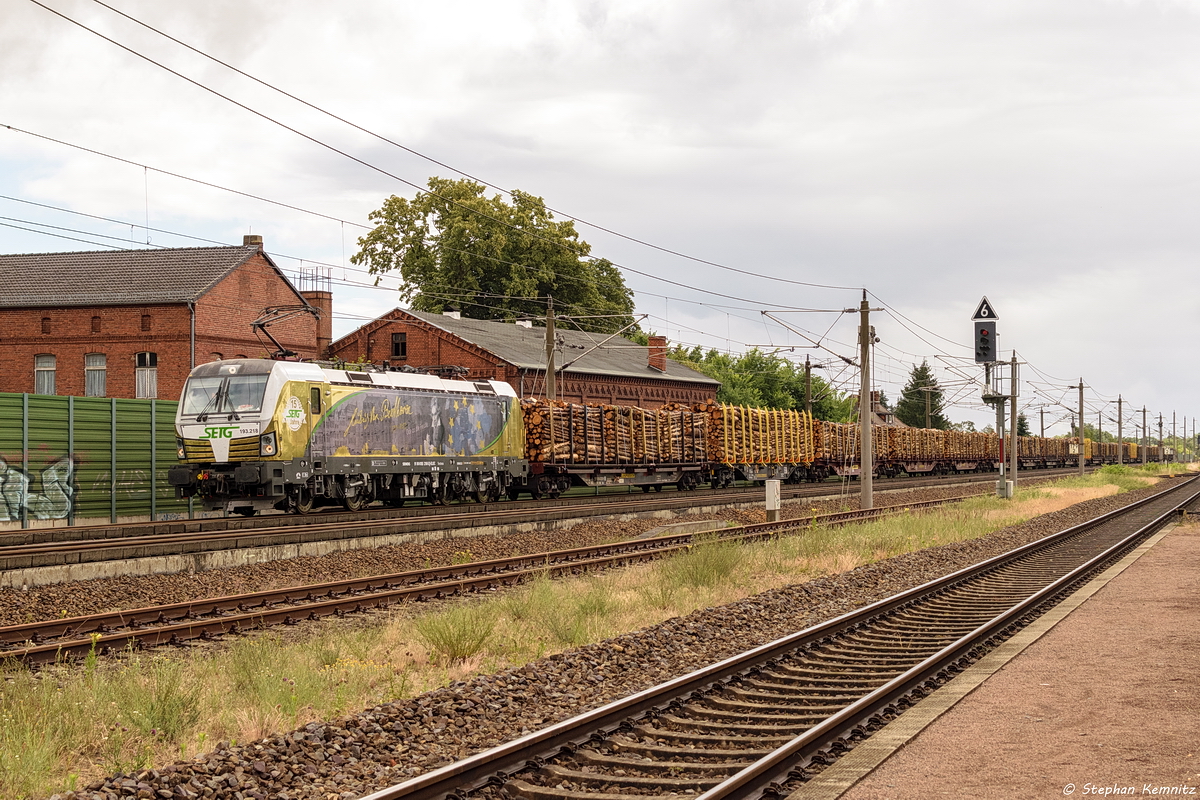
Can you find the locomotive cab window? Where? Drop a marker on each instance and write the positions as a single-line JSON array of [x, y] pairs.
[[316, 400], [224, 394]]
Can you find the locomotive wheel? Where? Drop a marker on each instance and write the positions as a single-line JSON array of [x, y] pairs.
[[303, 502], [355, 502], [245, 512], [513, 493]]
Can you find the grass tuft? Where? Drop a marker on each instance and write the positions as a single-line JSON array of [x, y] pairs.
[[459, 632]]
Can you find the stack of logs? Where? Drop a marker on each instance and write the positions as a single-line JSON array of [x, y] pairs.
[[838, 442], [574, 433], [738, 435]]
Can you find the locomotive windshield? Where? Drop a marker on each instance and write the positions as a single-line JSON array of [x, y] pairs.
[[233, 394]]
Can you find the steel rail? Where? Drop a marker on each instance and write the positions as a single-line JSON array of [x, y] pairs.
[[90, 542], [770, 773], [177, 622], [495, 765]]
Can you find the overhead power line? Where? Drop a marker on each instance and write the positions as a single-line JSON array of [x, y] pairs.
[[439, 163]]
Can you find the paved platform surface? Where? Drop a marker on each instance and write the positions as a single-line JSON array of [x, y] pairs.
[[1099, 698]]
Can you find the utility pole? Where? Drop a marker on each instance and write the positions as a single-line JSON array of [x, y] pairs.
[[927, 409], [1145, 435], [866, 462], [1174, 438], [1014, 449], [1120, 447], [1162, 456], [1043, 410], [1000, 487], [807, 385], [1082, 456], [550, 370]]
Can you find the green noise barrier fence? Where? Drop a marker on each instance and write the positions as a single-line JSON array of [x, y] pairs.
[[86, 460]]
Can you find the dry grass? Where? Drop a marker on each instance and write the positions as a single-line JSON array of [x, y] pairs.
[[62, 728]]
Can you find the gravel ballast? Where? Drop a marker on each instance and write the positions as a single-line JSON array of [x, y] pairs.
[[354, 755]]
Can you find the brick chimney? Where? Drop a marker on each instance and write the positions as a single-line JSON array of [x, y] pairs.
[[252, 240], [323, 301], [658, 353]]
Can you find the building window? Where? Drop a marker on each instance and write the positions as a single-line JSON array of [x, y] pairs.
[[147, 375], [43, 374], [145, 322], [399, 345], [95, 324], [46, 327], [217, 356], [95, 375]]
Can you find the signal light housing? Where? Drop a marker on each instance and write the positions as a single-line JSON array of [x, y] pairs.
[[985, 342]]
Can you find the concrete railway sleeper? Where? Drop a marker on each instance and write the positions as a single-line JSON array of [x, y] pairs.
[[42, 642], [760, 723]]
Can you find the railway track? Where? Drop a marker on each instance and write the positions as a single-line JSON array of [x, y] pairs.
[[757, 724], [68, 546], [105, 633]]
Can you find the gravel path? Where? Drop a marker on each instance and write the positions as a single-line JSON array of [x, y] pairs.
[[348, 757]]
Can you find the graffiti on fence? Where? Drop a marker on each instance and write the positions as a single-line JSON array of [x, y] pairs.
[[50, 497]]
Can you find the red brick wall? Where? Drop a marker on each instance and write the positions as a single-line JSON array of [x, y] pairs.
[[224, 314], [223, 318], [428, 346]]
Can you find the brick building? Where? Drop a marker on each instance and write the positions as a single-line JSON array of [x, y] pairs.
[[591, 369], [132, 323]]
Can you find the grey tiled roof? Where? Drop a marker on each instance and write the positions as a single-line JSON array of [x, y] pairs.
[[526, 347], [115, 277]]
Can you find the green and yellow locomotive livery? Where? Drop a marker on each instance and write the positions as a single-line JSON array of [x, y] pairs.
[[257, 434]]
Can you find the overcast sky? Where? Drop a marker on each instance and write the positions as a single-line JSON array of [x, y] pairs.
[[931, 152]]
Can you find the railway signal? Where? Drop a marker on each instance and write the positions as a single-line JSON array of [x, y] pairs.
[[985, 332], [985, 342]]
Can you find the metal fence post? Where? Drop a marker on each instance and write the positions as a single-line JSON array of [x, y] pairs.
[[112, 470], [71, 458], [153, 461], [25, 459]]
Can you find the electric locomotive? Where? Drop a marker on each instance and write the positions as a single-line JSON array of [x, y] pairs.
[[256, 434]]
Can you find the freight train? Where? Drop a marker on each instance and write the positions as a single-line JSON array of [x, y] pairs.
[[256, 434]]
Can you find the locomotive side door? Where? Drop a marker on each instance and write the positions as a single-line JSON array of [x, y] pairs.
[[316, 434]]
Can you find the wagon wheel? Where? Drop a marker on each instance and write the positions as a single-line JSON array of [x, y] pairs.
[[514, 492]]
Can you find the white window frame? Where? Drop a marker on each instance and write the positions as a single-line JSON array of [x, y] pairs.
[[95, 371], [45, 367], [146, 375]]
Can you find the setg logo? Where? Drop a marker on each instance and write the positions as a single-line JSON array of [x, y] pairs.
[[219, 432], [293, 413]]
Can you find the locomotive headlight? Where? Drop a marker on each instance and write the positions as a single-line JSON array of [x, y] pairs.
[[266, 444], [180, 449]]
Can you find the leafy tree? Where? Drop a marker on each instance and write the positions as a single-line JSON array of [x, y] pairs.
[[965, 425], [492, 258], [763, 380], [911, 408]]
